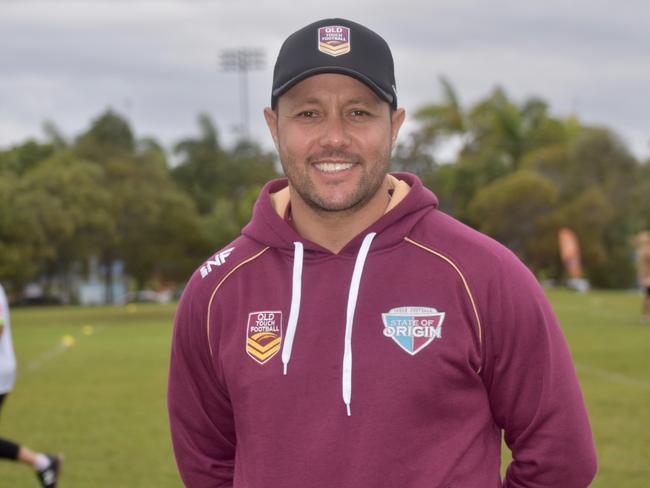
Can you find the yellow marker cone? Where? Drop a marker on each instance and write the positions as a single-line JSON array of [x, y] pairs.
[[88, 330], [67, 340]]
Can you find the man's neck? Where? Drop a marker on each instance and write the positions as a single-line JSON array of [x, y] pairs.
[[333, 230]]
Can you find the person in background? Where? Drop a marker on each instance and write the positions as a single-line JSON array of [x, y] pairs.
[[642, 244], [46, 466]]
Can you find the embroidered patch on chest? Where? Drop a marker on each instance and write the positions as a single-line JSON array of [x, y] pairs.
[[413, 328], [263, 335]]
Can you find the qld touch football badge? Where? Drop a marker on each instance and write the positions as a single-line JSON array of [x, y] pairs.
[[334, 40], [413, 328], [263, 335]]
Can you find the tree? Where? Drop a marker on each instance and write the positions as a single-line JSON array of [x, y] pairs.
[[109, 137], [22, 157], [640, 198], [199, 170], [20, 235], [589, 168], [438, 123], [155, 228], [515, 210], [443, 119], [589, 215], [208, 172], [599, 159]]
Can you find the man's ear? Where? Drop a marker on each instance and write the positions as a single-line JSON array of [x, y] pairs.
[[271, 117], [397, 119]]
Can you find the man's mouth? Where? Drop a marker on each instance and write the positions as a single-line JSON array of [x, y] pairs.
[[327, 167]]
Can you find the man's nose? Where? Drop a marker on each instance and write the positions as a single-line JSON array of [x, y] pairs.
[[334, 132]]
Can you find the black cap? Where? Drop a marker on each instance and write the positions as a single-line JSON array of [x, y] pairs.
[[335, 46]]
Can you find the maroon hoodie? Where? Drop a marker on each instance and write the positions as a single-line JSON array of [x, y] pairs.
[[396, 363]]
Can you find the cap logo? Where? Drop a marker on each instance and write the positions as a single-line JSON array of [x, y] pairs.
[[334, 40]]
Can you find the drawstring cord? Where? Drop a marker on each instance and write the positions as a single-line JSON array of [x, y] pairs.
[[349, 322], [295, 304], [352, 304]]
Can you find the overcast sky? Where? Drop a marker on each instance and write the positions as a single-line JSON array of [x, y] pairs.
[[157, 62]]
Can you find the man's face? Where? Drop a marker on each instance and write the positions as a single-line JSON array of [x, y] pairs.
[[334, 136]]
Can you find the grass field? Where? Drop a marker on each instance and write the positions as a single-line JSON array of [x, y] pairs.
[[100, 401], [101, 398]]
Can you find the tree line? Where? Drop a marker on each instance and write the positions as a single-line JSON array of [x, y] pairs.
[[114, 197], [520, 175]]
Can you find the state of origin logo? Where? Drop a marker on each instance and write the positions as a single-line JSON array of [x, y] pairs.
[[413, 328]]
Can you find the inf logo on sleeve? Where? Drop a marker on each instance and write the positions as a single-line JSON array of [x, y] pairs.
[[263, 335], [413, 328], [217, 260]]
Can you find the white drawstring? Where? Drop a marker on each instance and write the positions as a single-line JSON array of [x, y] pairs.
[[352, 303], [295, 304], [349, 322]]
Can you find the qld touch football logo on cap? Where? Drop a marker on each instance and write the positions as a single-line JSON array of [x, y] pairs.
[[413, 328], [334, 40]]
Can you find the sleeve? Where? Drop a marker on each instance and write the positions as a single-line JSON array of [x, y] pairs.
[[200, 413], [533, 387]]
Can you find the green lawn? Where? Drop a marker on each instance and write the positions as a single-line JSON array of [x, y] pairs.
[[101, 400], [611, 349]]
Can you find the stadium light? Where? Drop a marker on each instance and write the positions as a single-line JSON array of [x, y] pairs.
[[243, 60]]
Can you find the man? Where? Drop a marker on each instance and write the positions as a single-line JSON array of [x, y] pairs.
[[354, 336], [46, 466], [642, 244]]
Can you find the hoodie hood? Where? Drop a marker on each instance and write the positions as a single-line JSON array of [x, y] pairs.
[[271, 229]]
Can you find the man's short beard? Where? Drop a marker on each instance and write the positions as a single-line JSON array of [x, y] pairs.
[[307, 192]]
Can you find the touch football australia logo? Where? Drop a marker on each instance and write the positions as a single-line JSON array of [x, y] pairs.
[[334, 40], [413, 328], [263, 335]]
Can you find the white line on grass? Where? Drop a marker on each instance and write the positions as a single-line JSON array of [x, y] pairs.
[[56, 351], [46, 357], [614, 377]]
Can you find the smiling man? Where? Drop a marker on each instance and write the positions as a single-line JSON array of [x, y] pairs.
[[334, 136], [354, 336]]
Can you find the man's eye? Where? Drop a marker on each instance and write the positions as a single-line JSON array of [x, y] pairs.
[[307, 114], [359, 113]]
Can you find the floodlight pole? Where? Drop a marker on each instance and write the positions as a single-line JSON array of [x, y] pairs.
[[243, 101], [243, 60]]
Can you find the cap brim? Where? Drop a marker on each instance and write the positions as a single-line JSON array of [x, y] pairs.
[[333, 69]]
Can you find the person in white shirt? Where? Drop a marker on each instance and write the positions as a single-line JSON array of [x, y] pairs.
[[46, 466]]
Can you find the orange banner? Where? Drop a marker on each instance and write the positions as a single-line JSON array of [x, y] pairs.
[[570, 252]]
